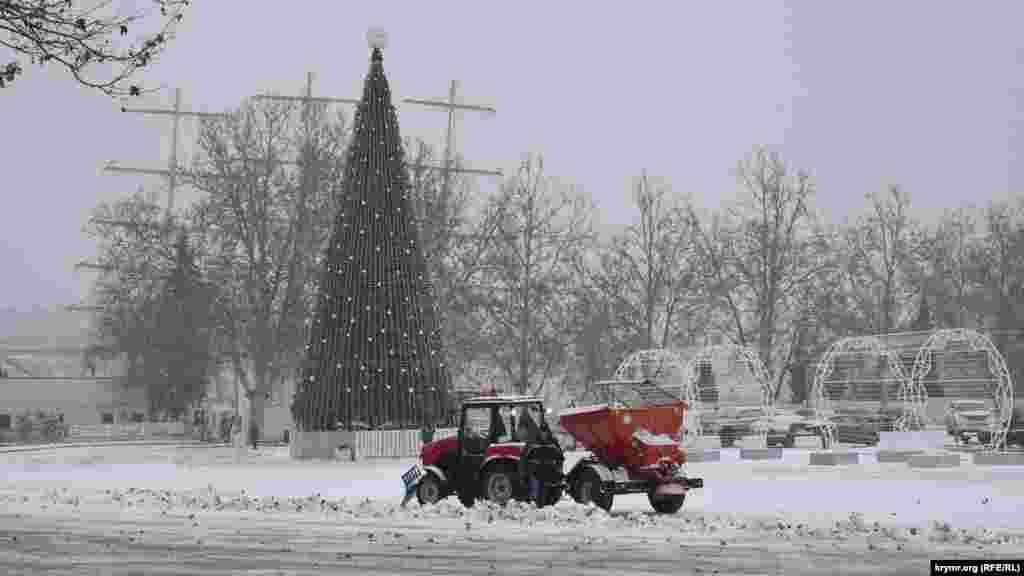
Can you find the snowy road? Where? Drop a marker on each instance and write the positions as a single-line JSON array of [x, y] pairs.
[[197, 511], [112, 542]]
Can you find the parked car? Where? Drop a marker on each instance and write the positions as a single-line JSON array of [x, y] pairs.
[[1015, 433], [969, 418], [785, 426], [857, 428], [737, 422]]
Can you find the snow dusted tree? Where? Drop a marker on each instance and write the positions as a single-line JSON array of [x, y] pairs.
[[647, 271], [999, 270], [155, 308], [524, 284], [266, 221], [99, 44], [454, 238], [755, 260], [943, 269], [880, 246]]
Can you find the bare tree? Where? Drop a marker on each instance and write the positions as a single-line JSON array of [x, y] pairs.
[[525, 282], [881, 252], [454, 243], [943, 269], [266, 225], [754, 258], [647, 271], [155, 310], [1000, 269], [88, 39]]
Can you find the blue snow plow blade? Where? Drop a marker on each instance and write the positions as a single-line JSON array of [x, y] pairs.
[[411, 479]]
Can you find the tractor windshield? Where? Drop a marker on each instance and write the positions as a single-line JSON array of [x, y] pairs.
[[521, 423]]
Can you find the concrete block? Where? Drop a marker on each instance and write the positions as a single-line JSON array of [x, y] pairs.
[[999, 458], [760, 453], [834, 458], [913, 440], [889, 456], [703, 456], [935, 460]]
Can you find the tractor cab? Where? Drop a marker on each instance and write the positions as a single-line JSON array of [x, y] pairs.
[[503, 450]]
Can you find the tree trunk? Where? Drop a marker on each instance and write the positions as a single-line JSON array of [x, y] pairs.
[[255, 418]]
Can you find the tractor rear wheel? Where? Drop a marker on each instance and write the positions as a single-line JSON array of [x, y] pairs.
[[589, 489], [499, 486], [430, 490], [668, 504]]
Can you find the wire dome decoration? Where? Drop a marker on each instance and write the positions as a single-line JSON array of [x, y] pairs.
[[662, 367], [826, 389], [997, 388], [724, 358]]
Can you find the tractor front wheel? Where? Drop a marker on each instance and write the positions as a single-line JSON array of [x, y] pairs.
[[589, 489], [430, 490], [499, 486], [668, 504]]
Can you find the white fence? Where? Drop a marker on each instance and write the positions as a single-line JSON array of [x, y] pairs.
[[369, 443], [394, 443]]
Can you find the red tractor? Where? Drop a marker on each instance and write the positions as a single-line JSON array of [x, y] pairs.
[[505, 450]]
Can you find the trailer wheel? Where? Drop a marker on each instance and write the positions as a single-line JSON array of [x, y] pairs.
[[430, 490], [589, 489], [668, 504]]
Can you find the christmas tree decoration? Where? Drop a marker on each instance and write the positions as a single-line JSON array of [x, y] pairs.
[[374, 354]]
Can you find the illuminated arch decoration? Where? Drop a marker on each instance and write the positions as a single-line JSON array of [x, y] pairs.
[[721, 359], [997, 388], [832, 386], [663, 367]]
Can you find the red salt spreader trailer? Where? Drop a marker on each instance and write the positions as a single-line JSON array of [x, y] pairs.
[[632, 430]]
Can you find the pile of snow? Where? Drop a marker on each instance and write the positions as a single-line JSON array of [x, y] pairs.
[[516, 518], [872, 505]]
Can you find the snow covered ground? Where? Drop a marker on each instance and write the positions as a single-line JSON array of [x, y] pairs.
[[871, 512]]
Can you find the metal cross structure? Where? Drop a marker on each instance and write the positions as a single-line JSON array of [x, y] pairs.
[[307, 100], [308, 97], [171, 172], [451, 106]]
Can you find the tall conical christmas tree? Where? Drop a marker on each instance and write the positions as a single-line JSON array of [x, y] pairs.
[[374, 352]]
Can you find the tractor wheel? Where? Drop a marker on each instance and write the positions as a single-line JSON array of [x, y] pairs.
[[589, 489], [499, 486], [669, 504], [430, 490]]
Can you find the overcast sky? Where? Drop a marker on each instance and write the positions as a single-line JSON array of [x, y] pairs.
[[927, 94]]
